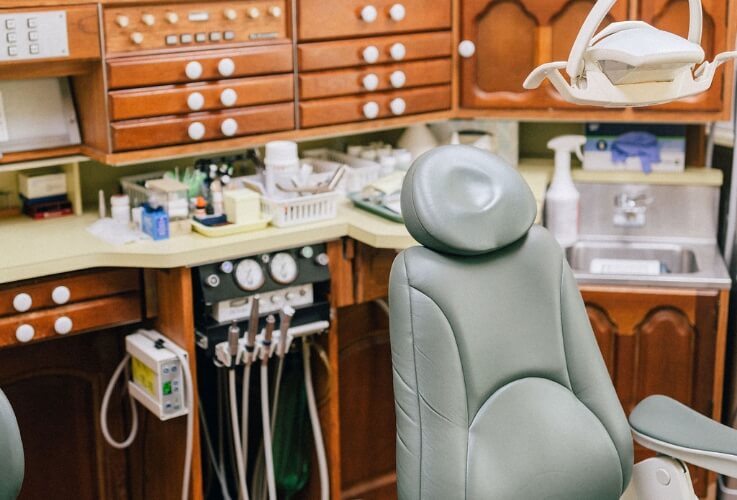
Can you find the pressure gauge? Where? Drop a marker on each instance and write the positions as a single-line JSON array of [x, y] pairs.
[[283, 268], [249, 275]]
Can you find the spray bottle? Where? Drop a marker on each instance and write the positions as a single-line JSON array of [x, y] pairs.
[[562, 198]]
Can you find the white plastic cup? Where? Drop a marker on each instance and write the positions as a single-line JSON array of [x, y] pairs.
[[120, 208]]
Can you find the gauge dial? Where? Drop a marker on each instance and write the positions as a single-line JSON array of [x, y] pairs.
[[283, 268], [249, 275]]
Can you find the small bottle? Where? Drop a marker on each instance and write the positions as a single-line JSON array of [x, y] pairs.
[[562, 197], [120, 208]]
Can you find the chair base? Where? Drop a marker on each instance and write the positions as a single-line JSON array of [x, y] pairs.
[[660, 478]]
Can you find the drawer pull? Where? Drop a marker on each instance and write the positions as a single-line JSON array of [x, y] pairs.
[[371, 54], [229, 127], [148, 19], [172, 17], [371, 110], [398, 106], [466, 49], [193, 70], [24, 333], [230, 14], [275, 11], [137, 37], [196, 131], [63, 325], [228, 97], [195, 101], [254, 13], [398, 79], [369, 14], [226, 66], [398, 51], [60, 295], [371, 82], [22, 302], [397, 12], [122, 21]]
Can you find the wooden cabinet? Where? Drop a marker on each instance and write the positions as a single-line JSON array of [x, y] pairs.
[[669, 342]]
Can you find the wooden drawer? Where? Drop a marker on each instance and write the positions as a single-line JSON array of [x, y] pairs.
[[351, 109], [152, 132], [319, 20], [81, 286], [171, 100], [351, 81], [84, 316], [163, 69], [349, 53]]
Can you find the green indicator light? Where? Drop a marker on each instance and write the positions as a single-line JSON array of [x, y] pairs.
[[167, 388]]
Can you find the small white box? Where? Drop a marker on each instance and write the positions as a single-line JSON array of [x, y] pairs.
[[41, 186], [242, 206]]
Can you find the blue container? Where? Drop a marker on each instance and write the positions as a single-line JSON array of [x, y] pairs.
[[155, 222]]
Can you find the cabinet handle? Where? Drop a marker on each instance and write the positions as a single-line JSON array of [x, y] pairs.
[[369, 14], [398, 106], [371, 54], [137, 37], [63, 325], [195, 101], [371, 82], [226, 66], [398, 79], [275, 11], [193, 70], [397, 12], [398, 51], [229, 127], [228, 97], [22, 302], [60, 295], [371, 110], [196, 131], [466, 49], [24, 333]]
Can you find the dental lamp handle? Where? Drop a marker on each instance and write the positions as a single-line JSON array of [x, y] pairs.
[[285, 319], [268, 335]]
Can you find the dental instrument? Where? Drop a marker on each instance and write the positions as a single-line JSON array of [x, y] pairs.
[[631, 63], [265, 417], [234, 334], [250, 357]]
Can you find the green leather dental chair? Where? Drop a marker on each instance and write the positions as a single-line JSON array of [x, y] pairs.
[[11, 452], [500, 390]]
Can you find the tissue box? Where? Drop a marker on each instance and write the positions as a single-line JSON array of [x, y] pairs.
[[242, 206], [597, 152]]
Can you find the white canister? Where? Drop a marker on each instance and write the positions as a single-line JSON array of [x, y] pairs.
[[281, 161], [120, 208]]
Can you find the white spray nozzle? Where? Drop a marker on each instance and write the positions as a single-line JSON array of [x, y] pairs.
[[568, 144]]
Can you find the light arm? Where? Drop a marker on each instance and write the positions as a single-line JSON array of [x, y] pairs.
[[592, 23], [695, 21]]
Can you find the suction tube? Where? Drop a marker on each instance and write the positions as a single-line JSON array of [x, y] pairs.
[[233, 335], [315, 420], [265, 410]]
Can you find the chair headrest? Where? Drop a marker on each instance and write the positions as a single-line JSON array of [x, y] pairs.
[[465, 201]]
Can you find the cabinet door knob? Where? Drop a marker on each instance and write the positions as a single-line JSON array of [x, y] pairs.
[[369, 14], [22, 302], [398, 106], [172, 17], [148, 19], [122, 21], [371, 110], [226, 66], [137, 38], [195, 101], [466, 49], [193, 70], [254, 13], [398, 51], [371, 54], [370, 82], [275, 11], [230, 14], [60, 295], [196, 131], [398, 79], [397, 12], [63, 325], [228, 97], [24, 333], [229, 127]]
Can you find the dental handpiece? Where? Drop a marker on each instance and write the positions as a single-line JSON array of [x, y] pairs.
[[268, 334], [253, 325], [234, 333], [285, 319]]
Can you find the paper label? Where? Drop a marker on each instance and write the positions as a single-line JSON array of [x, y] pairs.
[[3, 122]]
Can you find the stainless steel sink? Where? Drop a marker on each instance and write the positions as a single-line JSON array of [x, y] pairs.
[[673, 259]]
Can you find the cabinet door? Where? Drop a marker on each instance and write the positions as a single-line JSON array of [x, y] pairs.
[[512, 37]]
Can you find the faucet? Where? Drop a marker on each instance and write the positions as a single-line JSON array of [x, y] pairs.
[[630, 210]]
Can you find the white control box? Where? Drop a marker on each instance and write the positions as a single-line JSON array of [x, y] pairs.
[[33, 35], [270, 302]]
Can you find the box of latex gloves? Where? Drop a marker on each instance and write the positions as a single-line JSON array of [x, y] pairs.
[[645, 147]]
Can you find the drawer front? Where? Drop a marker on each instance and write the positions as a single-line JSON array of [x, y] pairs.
[[320, 20], [170, 100], [378, 78], [76, 318], [349, 53], [200, 66], [152, 132], [155, 27], [68, 289], [352, 109]]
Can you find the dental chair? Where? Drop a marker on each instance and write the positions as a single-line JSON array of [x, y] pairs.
[[11, 452], [500, 390]]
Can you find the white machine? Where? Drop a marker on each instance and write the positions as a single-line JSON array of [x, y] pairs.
[[631, 63]]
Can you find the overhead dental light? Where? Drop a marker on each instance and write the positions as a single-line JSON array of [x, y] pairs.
[[631, 63]]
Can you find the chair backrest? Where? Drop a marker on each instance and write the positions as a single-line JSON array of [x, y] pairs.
[[11, 452], [500, 389]]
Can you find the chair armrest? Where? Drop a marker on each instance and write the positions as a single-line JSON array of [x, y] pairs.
[[664, 425]]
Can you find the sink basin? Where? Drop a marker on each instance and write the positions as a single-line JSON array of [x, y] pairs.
[[631, 258]]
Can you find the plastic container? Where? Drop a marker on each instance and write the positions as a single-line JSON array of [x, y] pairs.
[[562, 198], [120, 208], [359, 172], [281, 161], [300, 210]]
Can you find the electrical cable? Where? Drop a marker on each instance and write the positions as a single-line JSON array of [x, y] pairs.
[[236, 435], [315, 419], [245, 389], [106, 401], [211, 454], [189, 386], [266, 421]]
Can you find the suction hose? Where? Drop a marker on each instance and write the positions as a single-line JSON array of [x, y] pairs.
[[265, 411], [233, 335], [315, 420]]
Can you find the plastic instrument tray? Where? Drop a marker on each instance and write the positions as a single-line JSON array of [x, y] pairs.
[[379, 210], [228, 229]]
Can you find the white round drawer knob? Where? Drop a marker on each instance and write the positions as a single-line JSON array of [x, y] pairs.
[[398, 79], [193, 70], [466, 48], [122, 21], [22, 302], [60, 295], [148, 19], [229, 127], [397, 12], [195, 101], [24, 333], [254, 13], [398, 51], [230, 14], [369, 14], [226, 66], [371, 54], [275, 11], [370, 82], [172, 17], [371, 110], [228, 97], [196, 131], [63, 325], [398, 106], [137, 38]]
